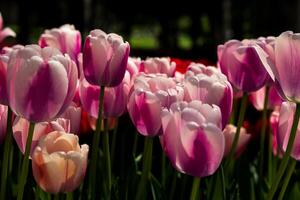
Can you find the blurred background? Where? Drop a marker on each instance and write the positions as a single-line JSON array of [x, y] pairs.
[[185, 29]]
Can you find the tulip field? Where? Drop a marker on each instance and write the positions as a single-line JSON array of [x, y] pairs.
[[81, 118]]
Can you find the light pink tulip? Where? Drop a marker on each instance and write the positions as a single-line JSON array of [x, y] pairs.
[[284, 69], [156, 65], [286, 114], [115, 98], [3, 122], [105, 58], [192, 137], [59, 163], [229, 133], [21, 126], [5, 32], [41, 82], [209, 85], [241, 62], [274, 121], [257, 98], [65, 38], [73, 113], [149, 94]]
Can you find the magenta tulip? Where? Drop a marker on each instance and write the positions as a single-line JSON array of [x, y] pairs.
[[105, 58], [158, 65], [210, 86], [41, 82], [4, 33], [3, 122], [59, 163], [241, 62], [229, 133], [192, 137], [149, 94], [21, 126], [65, 38]]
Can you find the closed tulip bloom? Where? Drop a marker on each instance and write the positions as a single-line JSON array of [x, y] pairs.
[[229, 133], [257, 98], [209, 85], [286, 114], [285, 68], [65, 38], [274, 121], [41, 82], [73, 114], [105, 58], [156, 65], [241, 62], [21, 126], [3, 122], [149, 94], [5, 32], [115, 98], [192, 137], [59, 163]]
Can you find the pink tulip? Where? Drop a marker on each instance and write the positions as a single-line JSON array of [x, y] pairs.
[[21, 126], [241, 62], [41, 82], [257, 98], [286, 114], [156, 65], [149, 94], [192, 137], [115, 98], [274, 121], [73, 114], [229, 133], [3, 122], [59, 163], [284, 68], [105, 58], [210, 86], [65, 38], [4, 33]]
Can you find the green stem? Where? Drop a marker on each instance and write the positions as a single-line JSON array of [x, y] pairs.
[[25, 163], [147, 163], [163, 169], [270, 157], [96, 140], [135, 143], [223, 183], [286, 156], [114, 140], [107, 155], [6, 153], [195, 189], [287, 178], [262, 136], [173, 186], [238, 130], [233, 112], [69, 196]]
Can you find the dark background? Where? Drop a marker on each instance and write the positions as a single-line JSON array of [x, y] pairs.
[[185, 29]]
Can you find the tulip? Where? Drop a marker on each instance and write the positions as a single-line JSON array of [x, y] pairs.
[[115, 98], [192, 137], [65, 38], [4, 33], [73, 114], [241, 62], [274, 121], [210, 86], [229, 133], [59, 163], [41, 82], [257, 98], [21, 126], [105, 58], [149, 94], [156, 65], [3, 120]]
